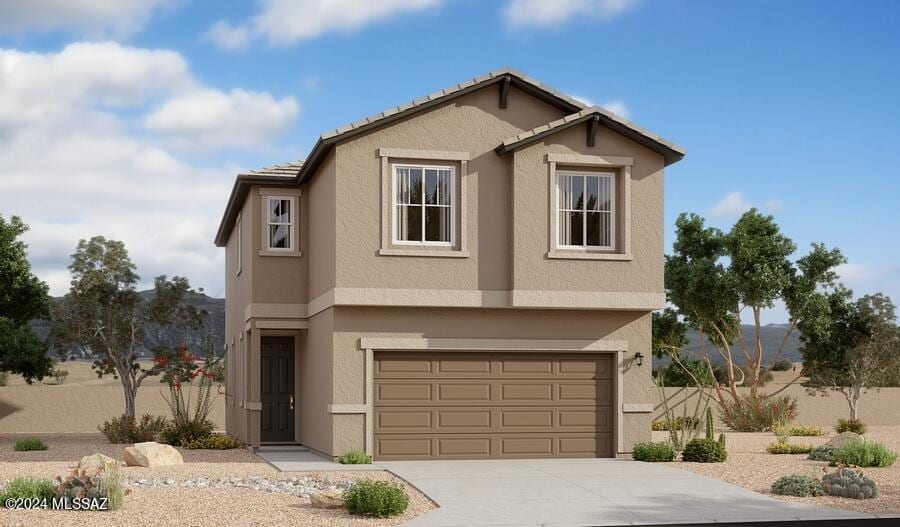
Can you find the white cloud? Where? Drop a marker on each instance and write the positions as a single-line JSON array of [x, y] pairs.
[[92, 17], [228, 37], [210, 118], [731, 205], [618, 108], [868, 279], [545, 14], [76, 162]]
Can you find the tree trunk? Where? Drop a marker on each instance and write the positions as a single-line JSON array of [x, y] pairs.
[[855, 393]]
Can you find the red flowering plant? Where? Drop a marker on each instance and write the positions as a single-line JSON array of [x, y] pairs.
[[191, 380]]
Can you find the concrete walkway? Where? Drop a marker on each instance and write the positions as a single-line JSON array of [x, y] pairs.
[[301, 459], [580, 492]]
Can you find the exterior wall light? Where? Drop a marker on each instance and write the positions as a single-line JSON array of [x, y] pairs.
[[639, 357]]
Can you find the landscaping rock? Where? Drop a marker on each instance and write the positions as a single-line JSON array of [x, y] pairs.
[[152, 454], [327, 499], [843, 438], [94, 465]]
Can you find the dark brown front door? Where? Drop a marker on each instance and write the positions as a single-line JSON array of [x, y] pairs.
[[277, 389]]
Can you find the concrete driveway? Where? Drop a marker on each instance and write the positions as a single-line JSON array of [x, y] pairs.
[[549, 492]]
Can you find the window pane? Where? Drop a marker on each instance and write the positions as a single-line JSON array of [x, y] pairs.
[[279, 211], [592, 193], [279, 236], [437, 224], [565, 232], [444, 187], [431, 186], [402, 185], [592, 221], [577, 192], [571, 228], [606, 196], [409, 223], [606, 234], [415, 185]]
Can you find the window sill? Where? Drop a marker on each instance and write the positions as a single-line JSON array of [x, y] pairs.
[[433, 253], [561, 254], [294, 254]]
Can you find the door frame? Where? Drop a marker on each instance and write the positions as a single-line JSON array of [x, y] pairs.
[[294, 336], [369, 345]]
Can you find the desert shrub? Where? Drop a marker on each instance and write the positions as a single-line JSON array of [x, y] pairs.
[[660, 425], [704, 451], [111, 486], [214, 442], [124, 429], [821, 453], [28, 444], [805, 430], [758, 414], [4, 378], [797, 485], [782, 365], [79, 486], [355, 457], [27, 488], [675, 375], [850, 425], [376, 498], [765, 376], [60, 375], [783, 447], [652, 452], [187, 432], [864, 454], [848, 483]]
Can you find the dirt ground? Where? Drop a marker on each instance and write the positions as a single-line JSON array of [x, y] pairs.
[[184, 506], [750, 466]]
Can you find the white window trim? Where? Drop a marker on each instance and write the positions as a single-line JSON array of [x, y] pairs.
[[453, 205], [612, 212], [239, 227], [292, 238]]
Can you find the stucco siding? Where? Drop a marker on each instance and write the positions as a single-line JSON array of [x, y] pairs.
[[314, 384]]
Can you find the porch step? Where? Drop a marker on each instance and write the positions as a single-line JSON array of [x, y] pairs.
[[282, 448]]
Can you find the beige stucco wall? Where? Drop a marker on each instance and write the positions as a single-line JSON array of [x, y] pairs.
[[353, 323], [320, 200], [473, 123], [314, 384], [532, 270]]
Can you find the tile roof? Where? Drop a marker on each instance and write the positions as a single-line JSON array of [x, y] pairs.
[[283, 170]]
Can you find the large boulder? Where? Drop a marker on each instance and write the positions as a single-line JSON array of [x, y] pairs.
[[94, 465], [152, 454], [327, 499], [843, 438]]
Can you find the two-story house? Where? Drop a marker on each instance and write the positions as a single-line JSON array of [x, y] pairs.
[[469, 275]]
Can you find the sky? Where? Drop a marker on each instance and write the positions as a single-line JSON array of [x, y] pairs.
[[131, 118]]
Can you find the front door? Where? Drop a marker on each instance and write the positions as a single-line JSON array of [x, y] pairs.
[[277, 389]]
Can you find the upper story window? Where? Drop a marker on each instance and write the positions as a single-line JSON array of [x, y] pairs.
[[280, 211], [424, 205], [587, 210]]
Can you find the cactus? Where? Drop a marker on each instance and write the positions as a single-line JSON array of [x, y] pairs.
[[849, 483], [722, 440], [710, 431]]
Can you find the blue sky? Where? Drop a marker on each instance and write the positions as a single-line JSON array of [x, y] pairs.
[[793, 107]]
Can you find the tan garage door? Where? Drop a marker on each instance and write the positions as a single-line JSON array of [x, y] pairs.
[[492, 405]]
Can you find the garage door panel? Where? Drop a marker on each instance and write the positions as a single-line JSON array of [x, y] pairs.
[[499, 405]]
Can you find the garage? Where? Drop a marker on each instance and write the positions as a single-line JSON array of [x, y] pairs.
[[492, 405]]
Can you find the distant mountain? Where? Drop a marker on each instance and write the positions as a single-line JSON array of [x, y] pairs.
[[771, 336], [214, 325]]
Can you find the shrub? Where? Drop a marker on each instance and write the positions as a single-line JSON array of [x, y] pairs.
[[111, 486], [797, 485], [822, 453], [27, 488], [124, 429], [214, 442], [180, 434], [758, 414], [782, 365], [376, 498], [60, 375], [848, 483], [704, 451], [355, 457], [653, 452], [864, 454], [679, 422], [805, 430], [783, 447], [675, 375], [75, 486], [765, 376], [850, 425], [28, 444]]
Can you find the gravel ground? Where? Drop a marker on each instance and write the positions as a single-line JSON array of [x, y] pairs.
[[171, 496], [750, 466]]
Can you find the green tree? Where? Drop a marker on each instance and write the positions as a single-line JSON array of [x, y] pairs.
[[104, 313], [713, 277], [23, 297], [850, 347]]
